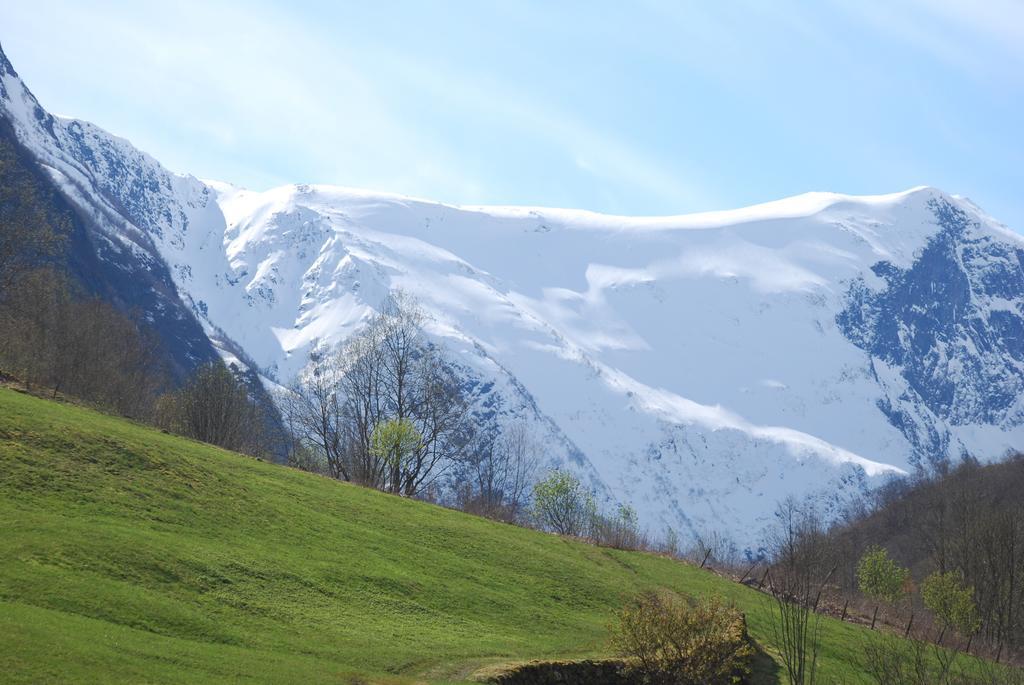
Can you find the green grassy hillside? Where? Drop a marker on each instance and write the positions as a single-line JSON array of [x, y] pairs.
[[129, 555]]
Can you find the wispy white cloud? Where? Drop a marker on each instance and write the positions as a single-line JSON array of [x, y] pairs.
[[237, 76], [601, 154], [648, 107]]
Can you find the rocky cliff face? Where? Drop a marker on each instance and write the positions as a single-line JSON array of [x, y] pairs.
[[949, 330]]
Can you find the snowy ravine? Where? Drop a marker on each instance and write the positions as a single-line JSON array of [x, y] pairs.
[[699, 367]]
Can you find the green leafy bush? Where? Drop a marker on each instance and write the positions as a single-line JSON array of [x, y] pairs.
[[951, 600], [668, 639], [881, 578]]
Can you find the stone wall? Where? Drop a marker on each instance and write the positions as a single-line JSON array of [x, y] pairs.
[[603, 672]]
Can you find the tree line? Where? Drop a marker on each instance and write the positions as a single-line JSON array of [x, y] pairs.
[[53, 333], [966, 522], [936, 559]]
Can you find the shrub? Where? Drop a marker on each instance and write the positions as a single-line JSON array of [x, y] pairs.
[[668, 639], [619, 530]]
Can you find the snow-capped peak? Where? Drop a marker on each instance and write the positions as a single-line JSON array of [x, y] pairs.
[[700, 367]]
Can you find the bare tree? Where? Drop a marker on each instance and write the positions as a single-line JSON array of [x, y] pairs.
[[389, 371], [620, 529], [79, 346], [215, 406], [716, 548], [313, 413], [496, 477], [797, 580]]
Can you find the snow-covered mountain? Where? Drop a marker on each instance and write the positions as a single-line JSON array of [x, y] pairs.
[[700, 367]]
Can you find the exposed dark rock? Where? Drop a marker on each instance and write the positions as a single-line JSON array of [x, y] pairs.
[[137, 284], [949, 326]]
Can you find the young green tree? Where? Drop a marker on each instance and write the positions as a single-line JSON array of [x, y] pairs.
[[881, 578], [952, 602], [561, 504], [395, 442]]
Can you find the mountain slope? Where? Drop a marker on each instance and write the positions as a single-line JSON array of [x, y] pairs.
[[699, 367], [704, 366], [129, 555], [104, 253]]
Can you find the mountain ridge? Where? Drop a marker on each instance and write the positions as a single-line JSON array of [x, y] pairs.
[[700, 367]]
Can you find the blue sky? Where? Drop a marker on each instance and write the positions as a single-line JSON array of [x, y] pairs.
[[643, 107]]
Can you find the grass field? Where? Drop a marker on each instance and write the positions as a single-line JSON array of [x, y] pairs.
[[129, 555]]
